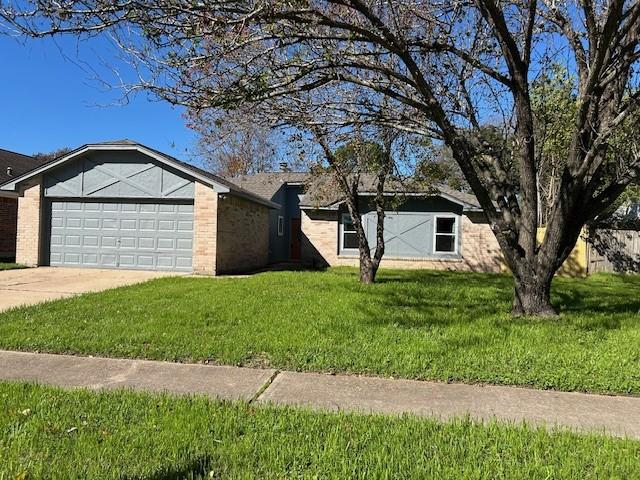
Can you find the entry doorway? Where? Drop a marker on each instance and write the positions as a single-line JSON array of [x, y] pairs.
[[296, 234]]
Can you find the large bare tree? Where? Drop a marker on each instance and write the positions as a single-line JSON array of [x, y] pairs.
[[445, 70], [234, 143]]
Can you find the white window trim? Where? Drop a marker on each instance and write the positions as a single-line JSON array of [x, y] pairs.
[[456, 233], [280, 226], [341, 231]]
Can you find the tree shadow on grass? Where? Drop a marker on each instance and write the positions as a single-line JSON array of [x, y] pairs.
[[458, 278], [593, 297], [426, 298], [196, 469], [422, 299]]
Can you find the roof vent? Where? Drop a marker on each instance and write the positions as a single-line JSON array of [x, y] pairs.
[[10, 171], [284, 167]]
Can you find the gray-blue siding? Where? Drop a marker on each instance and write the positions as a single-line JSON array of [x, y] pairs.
[[278, 245], [287, 198], [117, 175], [409, 228]]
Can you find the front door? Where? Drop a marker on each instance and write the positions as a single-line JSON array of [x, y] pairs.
[[296, 233]]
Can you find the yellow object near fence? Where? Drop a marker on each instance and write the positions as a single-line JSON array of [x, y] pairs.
[[577, 263]]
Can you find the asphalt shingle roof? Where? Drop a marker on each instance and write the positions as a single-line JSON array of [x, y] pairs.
[[268, 184], [18, 162], [322, 191]]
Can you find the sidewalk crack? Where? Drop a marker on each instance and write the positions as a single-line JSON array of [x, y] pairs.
[[264, 387]]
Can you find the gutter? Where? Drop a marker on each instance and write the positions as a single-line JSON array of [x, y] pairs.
[[8, 194]]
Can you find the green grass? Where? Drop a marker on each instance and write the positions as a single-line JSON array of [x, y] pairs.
[[50, 433], [10, 266], [412, 324]]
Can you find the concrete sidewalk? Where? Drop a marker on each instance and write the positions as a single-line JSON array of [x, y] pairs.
[[613, 415]]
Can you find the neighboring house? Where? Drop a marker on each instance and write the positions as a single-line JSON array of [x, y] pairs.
[[442, 229], [12, 165], [123, 205]]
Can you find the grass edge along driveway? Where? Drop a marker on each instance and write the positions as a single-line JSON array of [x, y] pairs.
[[11, 266], [447, 326]]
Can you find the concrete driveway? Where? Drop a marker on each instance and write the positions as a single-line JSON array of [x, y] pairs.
[[36, 285]]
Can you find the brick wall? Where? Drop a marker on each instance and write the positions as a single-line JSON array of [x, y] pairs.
[[205, 229], [243, 235], [29, 223], [479, 248], [319, 244], [8, 227]]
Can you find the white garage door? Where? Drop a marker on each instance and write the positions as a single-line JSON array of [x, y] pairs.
[[121, 234]]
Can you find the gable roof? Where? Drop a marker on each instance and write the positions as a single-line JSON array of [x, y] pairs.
[[219, 184], [18, 163], [321, 191]]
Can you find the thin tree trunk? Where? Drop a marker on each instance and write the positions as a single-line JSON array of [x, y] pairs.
[[368, 269]]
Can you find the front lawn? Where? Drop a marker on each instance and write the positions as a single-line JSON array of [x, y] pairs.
[[414, 324], [50, 433]]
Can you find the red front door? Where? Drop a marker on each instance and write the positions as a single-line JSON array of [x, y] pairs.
[[296, 233]]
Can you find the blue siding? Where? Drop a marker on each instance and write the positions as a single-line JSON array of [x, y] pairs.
[[278, 245], [409, 228], [117, 175], [288, 199]]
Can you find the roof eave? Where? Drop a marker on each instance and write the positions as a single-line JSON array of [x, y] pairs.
[[8, 194], [320, 207], [255, 198]]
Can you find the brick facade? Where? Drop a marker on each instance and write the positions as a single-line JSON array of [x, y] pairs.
[[29, 223], [243, 235], [8, 227], [205, 229], [479, 247]]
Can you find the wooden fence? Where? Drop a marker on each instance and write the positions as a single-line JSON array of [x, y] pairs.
[[628, 241]]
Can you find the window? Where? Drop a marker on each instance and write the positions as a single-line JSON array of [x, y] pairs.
[[280, 226], [349, 237], [446, 235]]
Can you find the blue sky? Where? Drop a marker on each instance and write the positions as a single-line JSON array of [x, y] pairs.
[[50, 98]]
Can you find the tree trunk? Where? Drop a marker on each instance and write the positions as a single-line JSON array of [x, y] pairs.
[[368, 270], [532, 295]]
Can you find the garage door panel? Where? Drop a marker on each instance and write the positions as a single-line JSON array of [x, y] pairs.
[[90, 241], [184, 244], [128, 242], [71, 258], [128, 224], [183, 262], [91, 223], [72, 240], [107, 259], [121, 235], [147, 225], [185, 226], [146, 243], [74, 222], [90, 259], [145, 261], [109, 223]]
